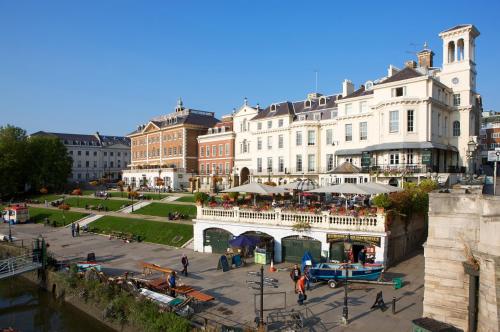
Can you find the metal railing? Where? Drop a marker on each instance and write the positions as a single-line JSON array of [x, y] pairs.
[[20, 264]]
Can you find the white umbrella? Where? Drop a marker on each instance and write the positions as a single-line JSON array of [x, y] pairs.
[[383, 188], [256, 188], [344, 188], [303, 185]]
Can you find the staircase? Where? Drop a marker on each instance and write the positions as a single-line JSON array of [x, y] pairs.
[[20, 264]]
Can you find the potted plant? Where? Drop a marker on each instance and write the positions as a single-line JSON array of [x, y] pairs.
[[382, 202], [200, 198], [233, 196]]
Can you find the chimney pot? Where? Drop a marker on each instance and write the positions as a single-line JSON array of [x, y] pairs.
[[411, 64], [347, 88]]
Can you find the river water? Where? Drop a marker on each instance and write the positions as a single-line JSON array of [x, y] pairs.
[[25, 307]]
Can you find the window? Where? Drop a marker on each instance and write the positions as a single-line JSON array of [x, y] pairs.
[[105, 153], [329, 162], [311, 137], [298, 162], [111, 164], [227, 169], [269, 164], [269, 142], [317, 116], [95, 163], [322, 101], [80, 164], [95, 153], [273, 108], [298, 138], [269, 124], [227, 149], [410, 121], [399, 92], [175, 151], [280, 142], [214, 168], [363, 131], [86, 153], [259, 125], [307, 104], [311, 162], [202, 169], [348, 109], [180, 150], [71, 152], [281, 164], [456, 128], [445, 130], [202, 151], [170, 151], [214, 151], [394, 121], [456, 99], [259, 143], [259, 165], [87, 164], [221, 150], [348, 132], [363, 107], [111, 153], [409, 156], [329, 136], [208, 151], [394, 158], [280, 123]]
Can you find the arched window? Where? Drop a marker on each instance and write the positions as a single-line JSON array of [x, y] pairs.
[[322, 101], [460, 49], [273, 108], [456, 128], [451, 51], [307, 104]]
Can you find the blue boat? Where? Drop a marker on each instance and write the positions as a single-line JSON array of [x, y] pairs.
[[333, 273]]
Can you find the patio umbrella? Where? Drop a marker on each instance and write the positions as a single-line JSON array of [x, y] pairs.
[[383, 188], [301, 185], [256, 188], [243, 241], [344, 188]]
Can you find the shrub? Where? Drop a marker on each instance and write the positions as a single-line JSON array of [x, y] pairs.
[[76, 192], [201, 197], [64, 207], [382, 201], [234, 195], [427, 185]]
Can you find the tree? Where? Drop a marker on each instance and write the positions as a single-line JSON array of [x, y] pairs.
[[15, 161], [50, 165]]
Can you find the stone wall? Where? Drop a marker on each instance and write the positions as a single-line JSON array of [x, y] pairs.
[[406, 236], [458, 220]]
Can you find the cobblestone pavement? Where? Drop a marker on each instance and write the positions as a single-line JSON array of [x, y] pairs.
[[234, 304]]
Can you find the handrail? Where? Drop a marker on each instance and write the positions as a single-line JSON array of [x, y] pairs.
[[19, 264]]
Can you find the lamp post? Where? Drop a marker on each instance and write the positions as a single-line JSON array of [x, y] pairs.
[[159, 181], [471, 148], [347, 249]]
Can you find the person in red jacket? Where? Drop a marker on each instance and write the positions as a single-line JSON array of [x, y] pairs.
[[301, 290]]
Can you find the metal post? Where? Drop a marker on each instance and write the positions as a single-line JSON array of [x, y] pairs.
[[393, 305], [495, 178], [261, 318], [345, 310]]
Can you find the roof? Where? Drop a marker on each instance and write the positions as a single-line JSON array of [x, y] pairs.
[[346, 168], [331, 102], [96, 139], [283, 108], [189, 117], [359, 92], [403, 74], [456, 27], [395, 146]]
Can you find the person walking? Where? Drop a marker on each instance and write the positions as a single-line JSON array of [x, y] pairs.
[[77, 229], [307, 275], [301, 290], [185, 263], [295, 276], [172, 283], [72, 229], [362, 256]]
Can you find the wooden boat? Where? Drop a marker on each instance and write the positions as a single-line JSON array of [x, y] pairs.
[[334, 273], [84, 266]]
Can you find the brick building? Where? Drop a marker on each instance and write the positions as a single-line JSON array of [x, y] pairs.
[[216, 156], [167, 148], [489, 133]]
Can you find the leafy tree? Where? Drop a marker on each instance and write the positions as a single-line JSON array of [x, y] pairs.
[[49, 161], [15, 162]]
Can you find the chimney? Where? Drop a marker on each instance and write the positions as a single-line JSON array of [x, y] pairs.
[[411, 64], [391, 70], [425, 57], [257, 107], [347, 88]]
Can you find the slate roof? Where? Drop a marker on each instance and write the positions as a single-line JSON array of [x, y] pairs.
[[283, 108], [359, 92], [403, 74], [95, 139], [346, 168]]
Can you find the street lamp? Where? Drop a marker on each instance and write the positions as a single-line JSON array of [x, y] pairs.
[[471, 148], [159, 181], [347, 249]]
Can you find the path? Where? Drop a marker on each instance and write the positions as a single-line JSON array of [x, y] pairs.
[[234, 300], [134, 207]]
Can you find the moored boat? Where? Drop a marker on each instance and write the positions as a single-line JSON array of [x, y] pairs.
[[334, 273]]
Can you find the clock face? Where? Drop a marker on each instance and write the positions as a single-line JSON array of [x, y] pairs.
[[455, 80]]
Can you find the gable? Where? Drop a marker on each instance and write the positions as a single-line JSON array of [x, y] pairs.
[[150, 127]]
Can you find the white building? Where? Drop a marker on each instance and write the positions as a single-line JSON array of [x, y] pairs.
[[94, 156], [414, 122]]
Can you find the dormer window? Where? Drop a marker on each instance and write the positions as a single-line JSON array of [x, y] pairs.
[[317, 116], [273, 108], [302, 117], [322, 101], [399, 92], [307, 104]]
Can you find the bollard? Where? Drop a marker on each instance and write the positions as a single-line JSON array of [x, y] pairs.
[[393, 305]]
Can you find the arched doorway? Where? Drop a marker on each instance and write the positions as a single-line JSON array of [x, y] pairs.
[[294, 247], [394, 182], [244, 175], [337, 252], [266, 242], [218, 239]]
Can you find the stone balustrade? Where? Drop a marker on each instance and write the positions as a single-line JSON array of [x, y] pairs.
[[277, 217]]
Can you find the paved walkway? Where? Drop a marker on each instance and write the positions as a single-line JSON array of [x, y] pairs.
[[134, 207], [87, 220], [234, 304]]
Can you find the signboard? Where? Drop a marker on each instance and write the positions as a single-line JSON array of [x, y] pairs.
[[494, 155], [366, 159], [373, 240], [426, 157]]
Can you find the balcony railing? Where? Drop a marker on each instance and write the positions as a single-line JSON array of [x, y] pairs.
[[405, 169], [279, 217]]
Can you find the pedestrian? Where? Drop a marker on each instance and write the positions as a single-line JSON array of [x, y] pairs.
[[46, 203], [362, 256], [307, 275], [171, 283], [295, 276], [185, 263], [73, 229], [301, 290], [77, 229]]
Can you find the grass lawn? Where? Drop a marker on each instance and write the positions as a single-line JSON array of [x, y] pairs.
[[38, 215], [147, 196], [46, 197], [187, 199], [112, 205], [162, 209], [150, 231]]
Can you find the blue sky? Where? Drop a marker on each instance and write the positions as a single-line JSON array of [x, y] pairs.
[[107, 66]]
